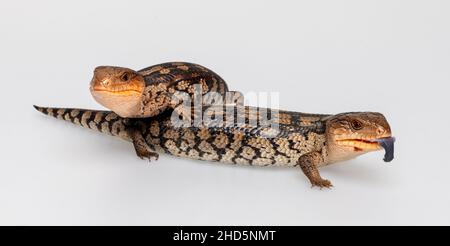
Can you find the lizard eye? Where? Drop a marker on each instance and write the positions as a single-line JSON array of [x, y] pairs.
[[357, 125], [125, 77]]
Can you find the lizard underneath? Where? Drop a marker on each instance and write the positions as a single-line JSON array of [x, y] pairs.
[[306, 141]]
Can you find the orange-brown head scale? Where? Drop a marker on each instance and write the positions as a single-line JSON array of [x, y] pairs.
[[356, 133], [118, 89]]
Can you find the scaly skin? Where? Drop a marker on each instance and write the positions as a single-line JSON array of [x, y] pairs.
[[151, 91], [307, 141]]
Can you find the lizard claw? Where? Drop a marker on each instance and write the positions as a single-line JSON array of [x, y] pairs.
[[153, 155], [321, 183], [148, 154]]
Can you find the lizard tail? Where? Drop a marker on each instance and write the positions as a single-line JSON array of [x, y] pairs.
[[103, 121]]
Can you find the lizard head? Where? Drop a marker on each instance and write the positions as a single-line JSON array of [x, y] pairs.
[[356, 133], [118, 89]]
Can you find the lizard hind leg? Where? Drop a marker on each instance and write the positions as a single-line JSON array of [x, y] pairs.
[[143, 150], [308, 163]]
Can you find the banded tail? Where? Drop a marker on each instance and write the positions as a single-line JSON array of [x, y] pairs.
[[103, 121]]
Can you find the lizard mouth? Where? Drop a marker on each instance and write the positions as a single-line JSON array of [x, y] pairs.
[[117, 90], [386, 143], [360, 144]]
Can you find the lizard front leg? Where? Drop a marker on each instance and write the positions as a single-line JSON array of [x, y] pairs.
[[308, 163], [143, 150]]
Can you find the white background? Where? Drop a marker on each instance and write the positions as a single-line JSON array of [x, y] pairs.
[[321, 56]]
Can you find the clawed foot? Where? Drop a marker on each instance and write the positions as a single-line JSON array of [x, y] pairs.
[[147, 154], [321, 183], [143, 150]]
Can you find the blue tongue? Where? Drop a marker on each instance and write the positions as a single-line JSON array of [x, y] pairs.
[[388, 146]]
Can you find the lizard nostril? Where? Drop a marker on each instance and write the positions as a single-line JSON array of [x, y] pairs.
[[380, 131]]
